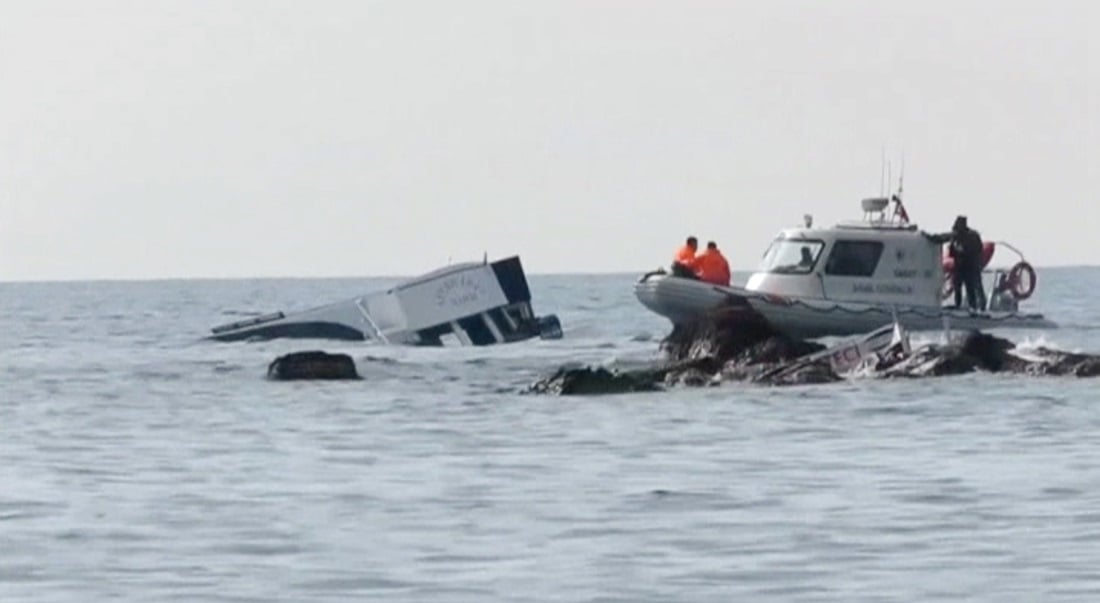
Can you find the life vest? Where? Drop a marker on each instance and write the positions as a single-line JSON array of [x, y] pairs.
[[685, 255], [712, 267]]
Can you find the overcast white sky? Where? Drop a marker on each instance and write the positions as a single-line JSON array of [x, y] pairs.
[[268, 138]]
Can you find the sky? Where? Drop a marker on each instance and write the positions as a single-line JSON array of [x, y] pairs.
[[165, 139]]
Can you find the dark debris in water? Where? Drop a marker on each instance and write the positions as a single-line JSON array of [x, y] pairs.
[[379, 359], [594, 381], [312, 365]]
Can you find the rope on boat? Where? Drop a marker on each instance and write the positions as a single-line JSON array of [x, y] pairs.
[[786, 301]]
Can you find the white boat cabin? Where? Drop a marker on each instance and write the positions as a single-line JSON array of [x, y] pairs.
[[878, 260]]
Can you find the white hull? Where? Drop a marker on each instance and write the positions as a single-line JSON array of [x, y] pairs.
[[683, 300], [469, 304]]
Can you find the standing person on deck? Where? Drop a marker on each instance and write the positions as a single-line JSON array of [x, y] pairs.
[[966, 249]]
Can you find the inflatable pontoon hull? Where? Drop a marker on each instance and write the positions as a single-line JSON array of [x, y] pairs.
[[684, 300]]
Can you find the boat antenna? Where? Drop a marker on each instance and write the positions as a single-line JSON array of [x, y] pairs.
[[882, 174], [889, 179], [901, 174], [899, 206]]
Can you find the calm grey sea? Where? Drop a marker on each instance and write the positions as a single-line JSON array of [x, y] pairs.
[[140, 463]]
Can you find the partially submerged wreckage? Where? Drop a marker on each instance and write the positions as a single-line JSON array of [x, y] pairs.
[[731, 344]]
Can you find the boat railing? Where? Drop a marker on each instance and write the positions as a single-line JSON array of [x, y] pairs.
[[248, 322], [370, 321], [1017, 279], [1019, 254], [436, 274]]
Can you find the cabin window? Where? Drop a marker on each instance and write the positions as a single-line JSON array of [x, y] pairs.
[[854, 258], [504, 325], [477, 330], [791, 256]]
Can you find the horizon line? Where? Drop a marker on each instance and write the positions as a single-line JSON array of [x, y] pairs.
[[150, 279]]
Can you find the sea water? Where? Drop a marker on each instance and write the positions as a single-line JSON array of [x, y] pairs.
[[139, 462]]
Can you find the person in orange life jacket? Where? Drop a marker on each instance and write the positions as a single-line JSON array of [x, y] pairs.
[[683, 263], [712, 267]]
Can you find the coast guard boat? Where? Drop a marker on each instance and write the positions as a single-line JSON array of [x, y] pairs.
[[852, 278], [473, 303]]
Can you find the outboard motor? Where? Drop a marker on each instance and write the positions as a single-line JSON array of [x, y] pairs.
[[549, 327]]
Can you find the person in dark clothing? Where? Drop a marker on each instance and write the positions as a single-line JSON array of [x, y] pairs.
[[966, 249], [974, 278]]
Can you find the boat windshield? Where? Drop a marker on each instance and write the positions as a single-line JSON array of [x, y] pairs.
[[791, 256]]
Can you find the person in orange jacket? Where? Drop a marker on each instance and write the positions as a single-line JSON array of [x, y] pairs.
[[684, 262], [711, 266]]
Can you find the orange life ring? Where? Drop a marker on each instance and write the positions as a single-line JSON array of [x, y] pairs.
[[1020, 289]]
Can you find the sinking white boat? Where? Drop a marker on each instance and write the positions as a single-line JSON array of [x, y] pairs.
[[475, 303], [849, 279]]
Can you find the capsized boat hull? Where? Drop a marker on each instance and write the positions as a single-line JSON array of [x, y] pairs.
[[683, 300], [471, 304]]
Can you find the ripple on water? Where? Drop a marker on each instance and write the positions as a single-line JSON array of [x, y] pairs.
[[136, 469]]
